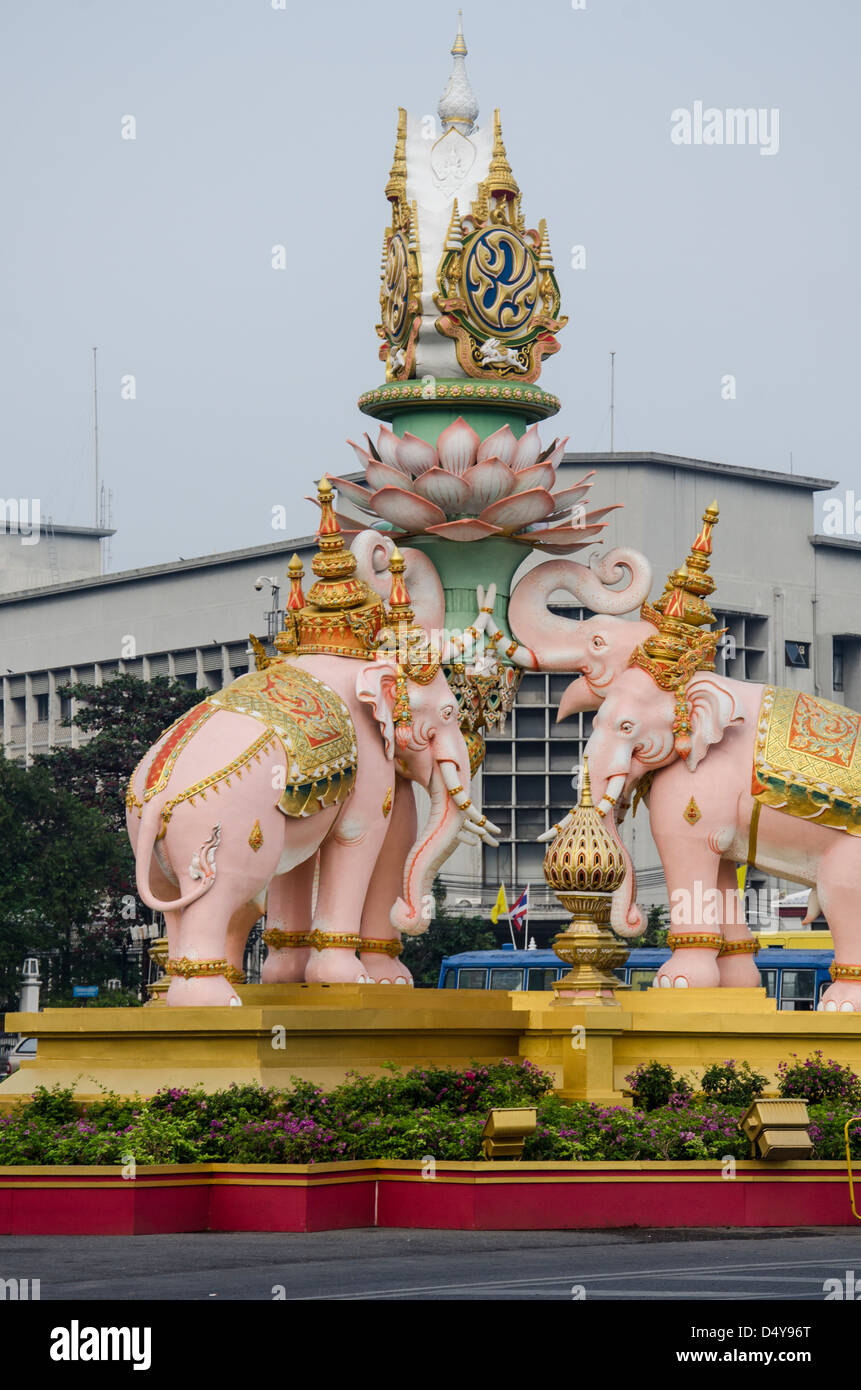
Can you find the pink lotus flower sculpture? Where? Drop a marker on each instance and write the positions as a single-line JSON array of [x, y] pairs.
[[468, 488]]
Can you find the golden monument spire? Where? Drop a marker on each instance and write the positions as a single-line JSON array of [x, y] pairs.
[[500, 178], [396, 188]]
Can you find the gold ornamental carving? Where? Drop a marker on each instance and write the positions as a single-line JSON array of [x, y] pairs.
[[497, 291], [584, 866]]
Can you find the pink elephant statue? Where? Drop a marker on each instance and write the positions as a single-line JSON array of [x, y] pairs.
[[228, 804], [730, 784], [598, 647]]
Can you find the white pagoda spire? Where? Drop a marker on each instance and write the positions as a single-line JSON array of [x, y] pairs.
[[458, 106]]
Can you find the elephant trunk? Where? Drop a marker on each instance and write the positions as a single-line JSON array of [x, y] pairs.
[[626, 918], [548, 635], [411, 914], [373, 551]]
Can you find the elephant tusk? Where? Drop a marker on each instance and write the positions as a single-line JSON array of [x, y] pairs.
[[449, 775], [448, 772], [481, 822], [614, 790], [466, 838]]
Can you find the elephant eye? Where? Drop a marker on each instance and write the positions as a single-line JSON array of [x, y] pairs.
[[598, 642], [448, 711], [626, 726]]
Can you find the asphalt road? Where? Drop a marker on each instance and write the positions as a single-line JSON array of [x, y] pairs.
[[396, 1266]]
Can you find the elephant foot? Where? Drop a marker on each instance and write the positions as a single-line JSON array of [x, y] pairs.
[[286, 966], [383, 970], [208, 991], [689, 969], [843, 997], [739, 972], [335, 966]]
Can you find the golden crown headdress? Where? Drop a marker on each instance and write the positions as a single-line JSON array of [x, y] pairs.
[[681, 645], [342, 615]]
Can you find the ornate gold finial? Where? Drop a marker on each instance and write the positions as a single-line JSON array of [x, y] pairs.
[[296, 573], [400, 609], [396, 188], [681, 646], [584, 866], [500, 178], [416, 656]]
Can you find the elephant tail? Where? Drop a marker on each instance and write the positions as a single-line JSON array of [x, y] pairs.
[[202, 864]]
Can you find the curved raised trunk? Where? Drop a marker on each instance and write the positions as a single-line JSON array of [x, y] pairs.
[[411, 913], [373, 551], [547, 634]]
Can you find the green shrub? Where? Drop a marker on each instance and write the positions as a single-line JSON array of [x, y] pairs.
[[56, 1104], [732, 1084], [653, 1084], [434, 1112]]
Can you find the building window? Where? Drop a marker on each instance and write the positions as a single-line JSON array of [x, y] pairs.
[[743, 650], [837, 664], [41, 709]]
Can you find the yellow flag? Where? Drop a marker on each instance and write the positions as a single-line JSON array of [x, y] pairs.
[[741, 875], [500, 905]]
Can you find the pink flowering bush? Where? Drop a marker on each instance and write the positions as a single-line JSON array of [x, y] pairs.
[[436, 1111], [816, 1080]]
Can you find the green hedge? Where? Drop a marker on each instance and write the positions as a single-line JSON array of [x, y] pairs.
[[425, 1112]]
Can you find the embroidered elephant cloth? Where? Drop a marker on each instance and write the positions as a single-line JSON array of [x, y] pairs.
[[807, 759], [313, 725]]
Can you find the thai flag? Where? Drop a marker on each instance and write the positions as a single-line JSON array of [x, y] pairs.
[[520, 911]]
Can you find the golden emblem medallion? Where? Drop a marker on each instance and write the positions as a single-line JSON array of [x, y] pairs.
[[692, 812], [255, 839], [387, 801]]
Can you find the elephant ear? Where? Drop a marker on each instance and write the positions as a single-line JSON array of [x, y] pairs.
[[375, 686], [712, 709]]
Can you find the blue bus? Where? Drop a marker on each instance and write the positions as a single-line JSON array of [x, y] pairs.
[[795, 978]]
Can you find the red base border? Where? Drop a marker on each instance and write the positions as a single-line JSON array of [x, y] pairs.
[[467, 1197]]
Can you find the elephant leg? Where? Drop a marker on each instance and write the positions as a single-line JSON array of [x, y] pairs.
[[204, 936], [691, 872], [386, 886], [238, 929], [347, 861], [289, 910], [737, 969], [837, 884]]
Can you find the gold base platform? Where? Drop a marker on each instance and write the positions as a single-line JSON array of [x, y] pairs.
[[321, 1032]]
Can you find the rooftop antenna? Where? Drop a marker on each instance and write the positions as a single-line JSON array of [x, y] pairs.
[[96, 486], [612, 399]]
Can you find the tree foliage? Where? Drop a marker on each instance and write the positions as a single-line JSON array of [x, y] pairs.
[[657, 927], [57, 856], [67, 880]]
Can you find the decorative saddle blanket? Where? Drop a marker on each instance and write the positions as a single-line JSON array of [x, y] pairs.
[[807, 759], [310, 721], [313, 725]]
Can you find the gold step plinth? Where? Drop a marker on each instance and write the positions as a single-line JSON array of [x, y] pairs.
[[322, 1032]]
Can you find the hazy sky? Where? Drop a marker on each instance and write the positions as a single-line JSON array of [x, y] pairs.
[[257, 126]]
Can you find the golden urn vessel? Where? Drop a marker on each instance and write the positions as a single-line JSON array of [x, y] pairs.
[[584, 866]]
